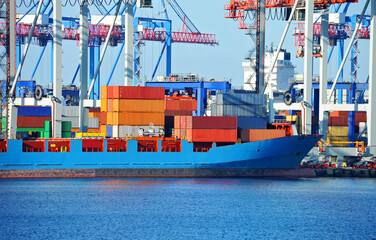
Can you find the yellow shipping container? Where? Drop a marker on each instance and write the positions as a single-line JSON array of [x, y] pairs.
[[338, 131], [103, 105], [138, 105], [103, 92], [110, 118], [294, 118]]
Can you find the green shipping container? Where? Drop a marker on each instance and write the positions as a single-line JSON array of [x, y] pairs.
[[66, 126], [30, 129], [66, 135], [3, 123], [47, 134], [48, 126]]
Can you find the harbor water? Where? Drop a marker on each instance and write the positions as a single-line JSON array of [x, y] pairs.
[[322, 208]]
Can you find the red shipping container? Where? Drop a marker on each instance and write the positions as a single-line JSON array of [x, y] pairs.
[[178, 113], [339, 114], [128, 92], [103, 118], [31, 122], [214, 122], [182, 105], [338, 121], [94, 110], [214, 135], [113, 92], [360, 116]]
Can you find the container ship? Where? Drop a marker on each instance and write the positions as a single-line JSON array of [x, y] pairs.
[[141, 132]]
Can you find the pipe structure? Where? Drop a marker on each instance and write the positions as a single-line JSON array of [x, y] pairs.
[[371, 113], [129, 45], [358, 23], [57, 69], [104, 50], [308, 43], [323, 116], [26, 47], [83, 115]]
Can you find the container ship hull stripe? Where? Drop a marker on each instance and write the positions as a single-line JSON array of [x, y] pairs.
[[274, 157]]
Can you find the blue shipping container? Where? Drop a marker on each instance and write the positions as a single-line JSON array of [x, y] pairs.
[[252, 122], [109, 131], [29, 111]]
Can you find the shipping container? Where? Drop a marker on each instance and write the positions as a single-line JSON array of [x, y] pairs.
[[104, 92], [360, 116], [199, 122], [104, 105], [93, 123], [178, 113], [66, 134], [339, 114], [252, 122], [177, 122], [214, 135], [137, 105], [110, 104], [134, 119], [66, 126], [110, 117], [182, 105], [338, 121], [30, 129], [103, 118], [74, 120], [115, 131], [94, 110], [109, 131], [154, 93], [254, 135], [31, 122], [241, 98], [70, 111], [241, 110], [103, 129], [338, 131], [34, 111]]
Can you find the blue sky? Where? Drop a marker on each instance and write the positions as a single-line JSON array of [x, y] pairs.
[[219, 62]]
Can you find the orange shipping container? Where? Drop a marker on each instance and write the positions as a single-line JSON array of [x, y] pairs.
[[138, 119], [92, 130], [103, 129], [214, 135], [109, 118], [104, 92], [339, 114], [177, 133], [94, 114], [138, 105], [103, 105], [177, 121], [113, 92], [254, 135], [75, 130]]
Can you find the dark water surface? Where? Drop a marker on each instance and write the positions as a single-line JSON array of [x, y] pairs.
[[188, 209]]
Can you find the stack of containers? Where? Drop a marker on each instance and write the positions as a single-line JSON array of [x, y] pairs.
[[66, 129], [71, 114], [338, 128], [206, 129], [125, 110], [32, 118], [177, 107]]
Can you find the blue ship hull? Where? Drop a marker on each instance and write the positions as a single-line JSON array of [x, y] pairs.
[[276, 157]]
